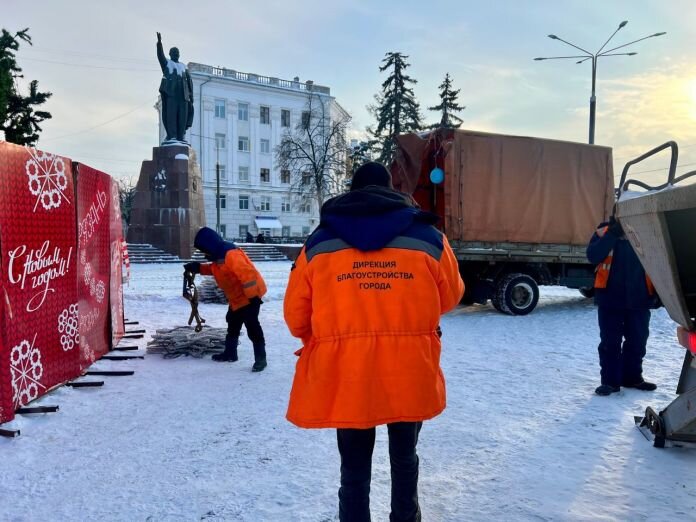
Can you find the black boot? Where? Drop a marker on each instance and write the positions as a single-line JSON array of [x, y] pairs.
[[642, 385], [607, 389], [230, 353], [259, 358]]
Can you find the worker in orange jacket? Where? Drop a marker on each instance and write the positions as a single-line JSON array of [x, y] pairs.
[[365, 296], [243, 286]]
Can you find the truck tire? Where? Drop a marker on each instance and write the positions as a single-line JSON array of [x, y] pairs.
[[516, 294]]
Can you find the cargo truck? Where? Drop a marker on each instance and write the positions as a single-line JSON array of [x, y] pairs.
[[517, 211]]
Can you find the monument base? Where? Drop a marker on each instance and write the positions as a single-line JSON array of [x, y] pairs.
[[168, 205]]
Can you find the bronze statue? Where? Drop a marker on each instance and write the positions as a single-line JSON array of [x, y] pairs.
[[176, 90]]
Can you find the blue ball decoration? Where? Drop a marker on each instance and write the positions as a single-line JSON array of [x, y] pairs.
[[437, 175]]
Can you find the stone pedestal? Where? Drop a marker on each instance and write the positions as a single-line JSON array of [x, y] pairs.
[[168, 206]]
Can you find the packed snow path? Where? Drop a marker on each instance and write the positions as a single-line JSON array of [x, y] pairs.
[[523, 436]]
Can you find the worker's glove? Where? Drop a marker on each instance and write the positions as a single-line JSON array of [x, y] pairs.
[[438, 331], [194, 267], [256, 301], [615, 228]]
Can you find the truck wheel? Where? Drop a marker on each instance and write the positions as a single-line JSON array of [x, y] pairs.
[[498, 304], [517, 294]]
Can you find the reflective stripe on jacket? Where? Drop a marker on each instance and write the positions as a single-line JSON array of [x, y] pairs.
[[368, 321], [237, 277]]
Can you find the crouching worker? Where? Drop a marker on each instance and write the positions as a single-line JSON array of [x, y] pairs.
[[365, 296], [624, 295], [243, 286]]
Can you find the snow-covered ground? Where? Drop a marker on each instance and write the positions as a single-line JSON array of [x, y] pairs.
[[523, 436]]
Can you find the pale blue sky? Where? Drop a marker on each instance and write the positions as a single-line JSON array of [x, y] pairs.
[[487, 47]]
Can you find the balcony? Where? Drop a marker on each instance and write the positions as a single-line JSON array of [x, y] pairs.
[[269, 81]]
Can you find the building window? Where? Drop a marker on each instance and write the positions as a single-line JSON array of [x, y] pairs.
[[265, 175], [265, 203], [285, 118], [219, 108], [223, 230], [305, 120], [243, 174], [265, 115], [243, 231], [243, 112], [305, 231], [223, 172], [285, 206], [306, 207], [266, 146], [306, 178], [243, 144], [220, 140], [243, 202], [223, 201], [285, 176], [286, 232]]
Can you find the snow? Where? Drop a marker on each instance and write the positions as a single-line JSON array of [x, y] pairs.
[[181, 156], [177, 67], [523, 436], [633, 194]]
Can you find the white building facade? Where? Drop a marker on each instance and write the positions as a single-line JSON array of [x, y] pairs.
[[239, 119]]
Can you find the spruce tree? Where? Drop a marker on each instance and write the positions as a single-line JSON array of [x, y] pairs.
[[448, 106], [397, 110], [18, 117]]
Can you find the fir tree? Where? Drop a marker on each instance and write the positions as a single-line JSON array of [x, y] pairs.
[[448, 106], [18, 117], [396, 110]]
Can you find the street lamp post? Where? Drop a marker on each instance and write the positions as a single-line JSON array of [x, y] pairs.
[[595, 57]]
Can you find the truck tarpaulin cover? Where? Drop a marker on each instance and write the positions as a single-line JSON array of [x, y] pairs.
[[94, 261], [507, 188], [39, 341]]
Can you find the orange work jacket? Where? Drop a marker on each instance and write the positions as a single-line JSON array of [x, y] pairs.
[[368, 321], [237, 277]]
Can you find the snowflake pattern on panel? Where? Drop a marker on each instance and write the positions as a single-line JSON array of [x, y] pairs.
[[27, 370], [47, 178], [87, 352], [68, 328]]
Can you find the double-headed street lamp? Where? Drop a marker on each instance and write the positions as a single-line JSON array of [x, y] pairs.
[[594, 57]]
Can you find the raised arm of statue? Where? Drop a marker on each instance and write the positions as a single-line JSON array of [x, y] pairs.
[[160, 54]]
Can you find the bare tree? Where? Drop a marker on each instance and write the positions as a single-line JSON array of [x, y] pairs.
[[126, 195], [315, 151]]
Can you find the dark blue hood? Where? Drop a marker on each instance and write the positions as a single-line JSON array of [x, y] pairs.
[[370, 218], [211, 244]]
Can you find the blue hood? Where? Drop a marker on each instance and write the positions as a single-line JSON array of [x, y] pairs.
[[211, 244], [369, 218]]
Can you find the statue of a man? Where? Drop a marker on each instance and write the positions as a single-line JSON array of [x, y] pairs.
[[176, 90]]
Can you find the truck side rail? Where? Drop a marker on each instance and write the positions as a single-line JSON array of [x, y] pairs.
[[519, 252]]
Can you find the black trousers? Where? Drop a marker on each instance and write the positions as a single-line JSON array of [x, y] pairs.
[[623, 335], [355, 447], [249, 317]]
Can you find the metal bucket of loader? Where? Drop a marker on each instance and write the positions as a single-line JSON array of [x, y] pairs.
[[660, 223]]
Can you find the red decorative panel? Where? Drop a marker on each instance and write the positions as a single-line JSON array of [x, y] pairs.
[[39, 343], [94, 261], [117, 247]]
